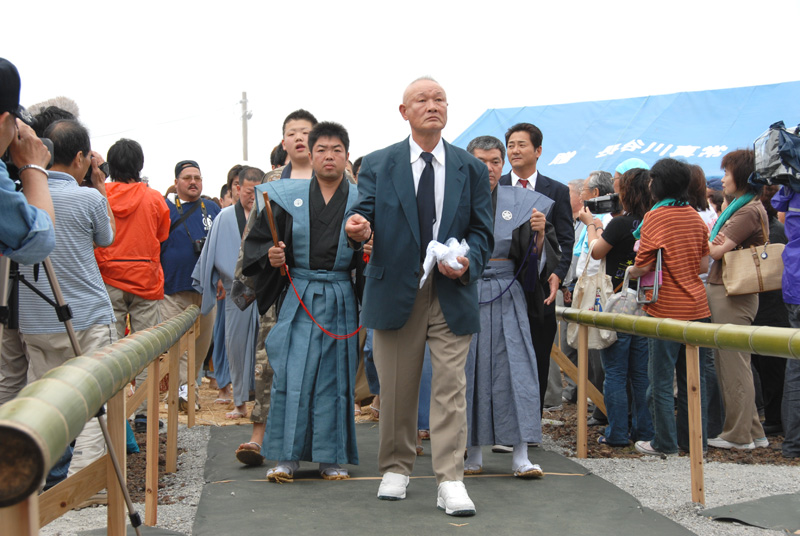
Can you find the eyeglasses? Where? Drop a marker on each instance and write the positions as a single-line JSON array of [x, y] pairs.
[[190, 178]]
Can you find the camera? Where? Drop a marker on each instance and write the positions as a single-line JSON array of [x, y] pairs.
[[13, 172], [197, 245], [605, 204], [87, 179]]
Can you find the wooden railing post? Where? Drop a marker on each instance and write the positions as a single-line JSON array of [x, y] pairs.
[[191, 377], [172, 408], [583, 379], [116, 432], [693, 391], [151, 461], [22, 518]]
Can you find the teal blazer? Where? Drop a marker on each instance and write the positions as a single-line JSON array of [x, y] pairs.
[[386, 198]]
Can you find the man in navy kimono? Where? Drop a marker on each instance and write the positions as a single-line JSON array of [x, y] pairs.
[[311, 411]]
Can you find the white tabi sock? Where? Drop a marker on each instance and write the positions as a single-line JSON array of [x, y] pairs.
[[520, 456], [474, 457]]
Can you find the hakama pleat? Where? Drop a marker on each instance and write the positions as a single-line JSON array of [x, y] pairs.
[[502, 356]]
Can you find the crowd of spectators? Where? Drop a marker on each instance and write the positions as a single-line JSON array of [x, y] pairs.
[[128, 257]]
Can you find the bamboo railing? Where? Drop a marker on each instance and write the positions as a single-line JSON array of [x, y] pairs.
[[763, 340], [37, 426]]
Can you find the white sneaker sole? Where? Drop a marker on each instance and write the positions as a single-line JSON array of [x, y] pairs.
[[462, 512]]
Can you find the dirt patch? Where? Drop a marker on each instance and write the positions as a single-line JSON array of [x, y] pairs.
[[209, 414], [566, 435]]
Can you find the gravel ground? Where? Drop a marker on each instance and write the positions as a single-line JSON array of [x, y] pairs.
[[184, 486], [662, 485]]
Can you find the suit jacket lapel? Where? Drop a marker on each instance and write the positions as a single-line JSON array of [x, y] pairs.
[[403, 181], [454, 180], [542, 186]]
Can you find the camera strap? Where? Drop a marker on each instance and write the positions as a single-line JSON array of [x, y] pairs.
[[183, 218]]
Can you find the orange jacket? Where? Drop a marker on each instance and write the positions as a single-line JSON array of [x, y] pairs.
[[133, 262]]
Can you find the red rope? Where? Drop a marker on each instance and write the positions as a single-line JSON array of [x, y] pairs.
[[333, 335]]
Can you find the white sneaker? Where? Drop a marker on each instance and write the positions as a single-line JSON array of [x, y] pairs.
[[718, 442], [453, 499], [761, 442], [393, 487]]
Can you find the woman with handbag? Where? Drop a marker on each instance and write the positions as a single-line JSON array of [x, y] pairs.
[[626, 359], [676, 229], [742, 224]]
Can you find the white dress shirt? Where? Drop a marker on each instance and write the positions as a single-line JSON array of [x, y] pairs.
[[531, 180], [418, 164]]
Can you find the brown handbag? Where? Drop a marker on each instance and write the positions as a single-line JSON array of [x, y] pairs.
[[753, 270]]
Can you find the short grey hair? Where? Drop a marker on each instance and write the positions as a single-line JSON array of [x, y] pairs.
[[487, 143], [602, 180], [576, 184]]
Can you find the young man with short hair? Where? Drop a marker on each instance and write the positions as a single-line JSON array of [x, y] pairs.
[[310, 415]]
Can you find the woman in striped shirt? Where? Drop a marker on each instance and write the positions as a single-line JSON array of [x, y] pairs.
[[676, 229]]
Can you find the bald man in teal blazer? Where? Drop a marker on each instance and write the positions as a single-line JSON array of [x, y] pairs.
[[444, 313]]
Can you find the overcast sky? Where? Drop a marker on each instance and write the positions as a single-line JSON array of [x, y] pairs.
[[171, 74]]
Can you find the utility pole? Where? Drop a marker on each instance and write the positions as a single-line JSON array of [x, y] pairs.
[[245, 116]]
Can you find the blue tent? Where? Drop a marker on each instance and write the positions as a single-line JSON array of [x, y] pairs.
[[698, 127]]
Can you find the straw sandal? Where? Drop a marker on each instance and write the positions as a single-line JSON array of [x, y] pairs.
[[529, 470], [283, 472], [332, 472], [250, 456]]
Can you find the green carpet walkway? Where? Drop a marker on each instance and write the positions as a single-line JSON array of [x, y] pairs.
[[239, 501]]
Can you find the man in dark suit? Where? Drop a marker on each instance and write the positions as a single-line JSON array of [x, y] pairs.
[[524, 147], [417, 190]]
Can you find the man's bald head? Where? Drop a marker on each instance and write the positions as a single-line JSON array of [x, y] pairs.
[[425, 108], [418, 85]]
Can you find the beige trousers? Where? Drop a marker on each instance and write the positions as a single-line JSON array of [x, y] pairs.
[[13, 365], [742, 424], [47, 351], [144, 313], [175, 304], [398, 358]]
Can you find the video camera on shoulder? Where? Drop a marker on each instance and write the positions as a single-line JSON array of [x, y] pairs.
[[777, 157], [605, 204]]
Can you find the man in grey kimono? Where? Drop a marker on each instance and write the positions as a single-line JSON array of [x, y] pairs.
[[501, 369], [311, 348], [212, 277]]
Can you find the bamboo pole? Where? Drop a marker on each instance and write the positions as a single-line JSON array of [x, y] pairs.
[[763, 340], [695, 422], [48, 414], [583, 379]]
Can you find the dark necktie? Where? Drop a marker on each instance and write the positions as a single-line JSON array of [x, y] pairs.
[[524, 183], [426, 204]]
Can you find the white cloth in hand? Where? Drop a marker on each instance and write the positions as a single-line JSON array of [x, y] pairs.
[[446, 253]]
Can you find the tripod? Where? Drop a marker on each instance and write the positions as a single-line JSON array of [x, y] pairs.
[[10, 278]]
